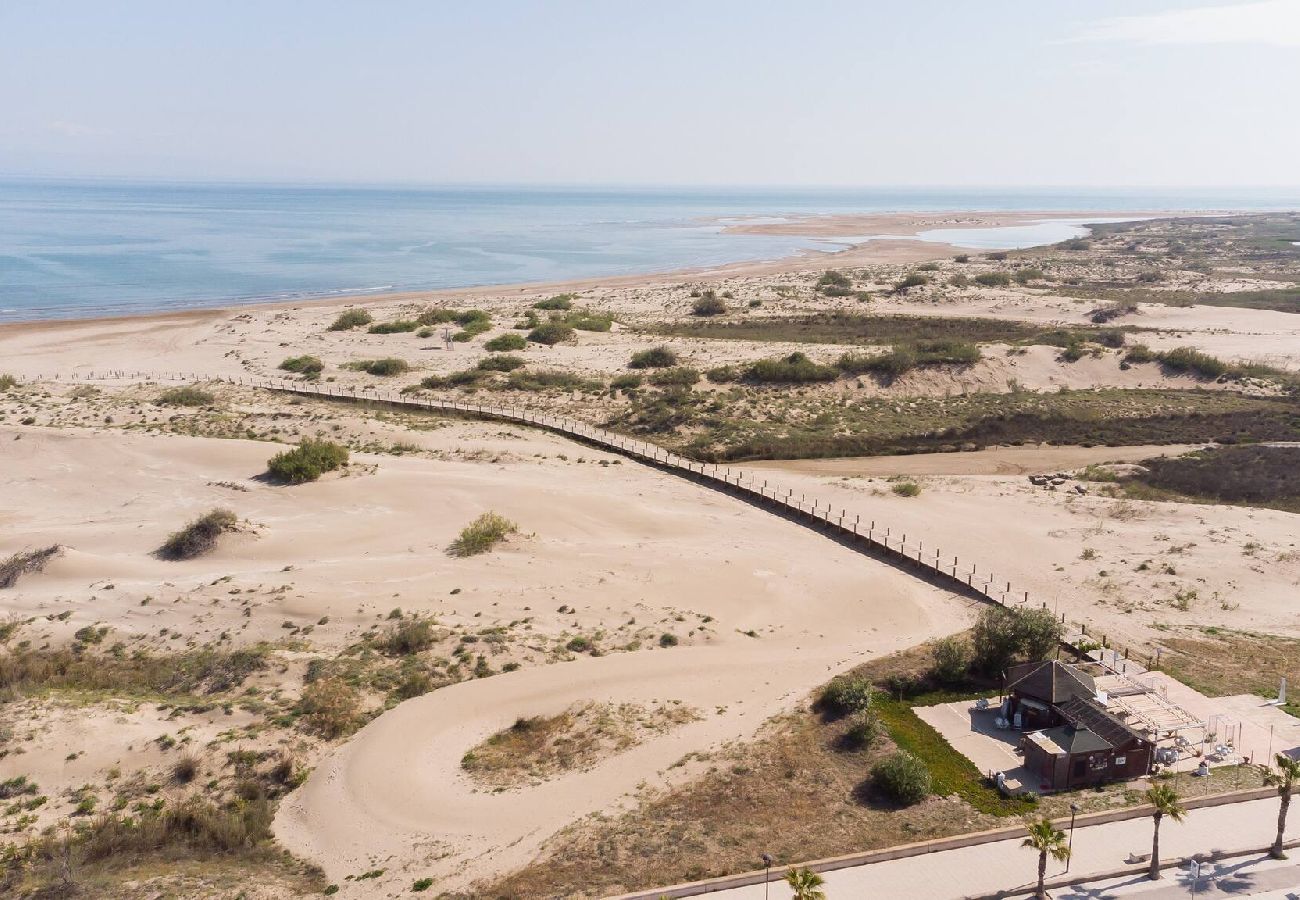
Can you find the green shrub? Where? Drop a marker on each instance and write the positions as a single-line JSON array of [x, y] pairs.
[[723, 374], [902, 778], [668, 639], [796, 368], [681, 376], [311, 366], [888, 367], [863, 731], [308, 461], [501, 363], [952, 658], [398, 326], [1140, 353], [654, 358], [1002, 636], [351, 318], [422, 884], [559, 301], [709, 304], [185, 396], [482, 535], [628, 382], [959, 280], [436, 315], [1194, 362], [587, 320], [504, 343], [834, 280], [911, 281], [993, 279], [406, 637], [552, 333], [846, 694], [906, 489], [198, 537], [1024, 276], [383, 368], [8, 382], [471, 331]]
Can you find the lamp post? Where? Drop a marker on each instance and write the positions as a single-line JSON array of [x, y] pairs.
[[767, 872], [1074, 811]]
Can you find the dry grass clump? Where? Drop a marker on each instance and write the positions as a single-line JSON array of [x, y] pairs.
[[331, 707], [308, 461], [198, 537], [186, 396], [537, 748], [8, 382], [351, 318], [25, 670], [26, 562], [482, 535], [407, 637]]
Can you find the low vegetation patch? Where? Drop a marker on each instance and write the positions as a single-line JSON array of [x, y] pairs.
[[199, 536], [709, 304], [1243, 475], [660, 357], [552, 332], [535, 749], [311, 459], [381, 368], [505, 343], [26, 562], [550, 380], [310, 366], [186, 396], [25, 671], [397, 326], [796, 368], [351, 318], [558, 302], [482, 535], [501, 363]]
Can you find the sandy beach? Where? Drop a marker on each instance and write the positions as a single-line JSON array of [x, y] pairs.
[[761, 611]]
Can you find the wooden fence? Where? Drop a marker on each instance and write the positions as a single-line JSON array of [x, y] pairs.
[[908, 552]]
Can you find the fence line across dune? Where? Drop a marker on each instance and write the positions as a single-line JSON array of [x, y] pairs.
[[872, 540]]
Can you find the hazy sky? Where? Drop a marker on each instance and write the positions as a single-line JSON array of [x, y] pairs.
[[1104, 92]]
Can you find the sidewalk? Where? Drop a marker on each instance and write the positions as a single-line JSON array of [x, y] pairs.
[[1257, 877], [1006, 867]]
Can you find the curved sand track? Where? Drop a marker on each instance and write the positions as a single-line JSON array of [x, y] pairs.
[[395, 797]]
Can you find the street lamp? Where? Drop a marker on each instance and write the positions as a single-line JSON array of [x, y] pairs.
[[1069, 855], [767, 870]]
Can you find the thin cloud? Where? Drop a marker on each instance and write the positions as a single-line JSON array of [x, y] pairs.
[[1269, 22]]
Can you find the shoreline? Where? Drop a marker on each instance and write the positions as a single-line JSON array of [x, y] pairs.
[[910, 249]]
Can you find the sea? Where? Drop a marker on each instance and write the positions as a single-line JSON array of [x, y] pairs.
[[71, 249]]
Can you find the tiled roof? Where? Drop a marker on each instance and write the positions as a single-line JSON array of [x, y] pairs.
[[1052, 682]]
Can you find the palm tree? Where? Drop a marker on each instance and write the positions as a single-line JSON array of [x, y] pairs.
[[806, 884], [1287, 777], [1165, 800], [1048, 840]]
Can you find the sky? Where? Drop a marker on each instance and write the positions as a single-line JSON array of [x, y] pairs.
[[670, 92]]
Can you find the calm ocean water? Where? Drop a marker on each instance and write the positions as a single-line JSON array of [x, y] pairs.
[[79, 248]]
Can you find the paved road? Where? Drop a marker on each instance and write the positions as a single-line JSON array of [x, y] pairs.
[[1005, 865], [1257, 877]]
